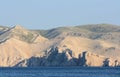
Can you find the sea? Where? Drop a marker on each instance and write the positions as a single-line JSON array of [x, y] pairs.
[[61, 72]]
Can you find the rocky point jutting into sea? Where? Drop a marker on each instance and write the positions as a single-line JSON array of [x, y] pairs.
[[87, 45]]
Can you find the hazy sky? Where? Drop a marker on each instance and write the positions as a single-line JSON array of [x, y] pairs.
[[45, 14]]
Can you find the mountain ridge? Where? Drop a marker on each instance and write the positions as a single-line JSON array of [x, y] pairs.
[[89, 45]]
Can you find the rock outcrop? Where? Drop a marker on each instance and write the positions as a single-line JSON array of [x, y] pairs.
[[66, 58], [83, 46]]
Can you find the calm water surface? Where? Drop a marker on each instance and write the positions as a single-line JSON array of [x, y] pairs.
[[60, 72]]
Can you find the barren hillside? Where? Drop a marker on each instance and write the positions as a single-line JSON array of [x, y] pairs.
[[87, 45]]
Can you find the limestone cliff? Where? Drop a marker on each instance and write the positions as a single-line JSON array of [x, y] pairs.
[[93, 45], [67, 58]]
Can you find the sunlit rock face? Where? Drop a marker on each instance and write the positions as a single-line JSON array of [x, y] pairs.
[[66, 58], [86, 46]]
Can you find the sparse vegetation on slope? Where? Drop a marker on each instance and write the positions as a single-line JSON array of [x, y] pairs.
[[87, 45]]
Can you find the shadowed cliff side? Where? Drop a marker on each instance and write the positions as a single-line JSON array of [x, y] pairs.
[[88, 45], [54, 58]]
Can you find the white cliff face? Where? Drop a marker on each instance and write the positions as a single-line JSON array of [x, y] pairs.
[[20, 47]]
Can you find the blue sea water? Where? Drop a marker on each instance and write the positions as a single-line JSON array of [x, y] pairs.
[[61, 72]]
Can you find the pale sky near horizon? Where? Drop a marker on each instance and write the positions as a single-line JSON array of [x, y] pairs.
[[46, 14]]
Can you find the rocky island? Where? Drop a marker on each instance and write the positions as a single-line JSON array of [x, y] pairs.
[[86, 45]]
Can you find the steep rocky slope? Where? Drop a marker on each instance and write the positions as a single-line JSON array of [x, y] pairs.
[[88, 45], [74, 51], [17, 44]]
